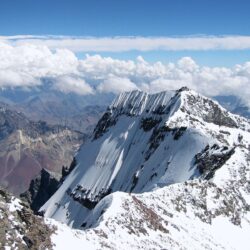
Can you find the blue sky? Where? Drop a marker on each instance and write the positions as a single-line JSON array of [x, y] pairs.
[[154, 18], [127, 17]]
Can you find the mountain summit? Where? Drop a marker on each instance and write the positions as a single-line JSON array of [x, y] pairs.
[[144, 142]]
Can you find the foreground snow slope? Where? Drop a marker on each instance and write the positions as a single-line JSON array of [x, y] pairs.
[[196, 214], [144, 142]]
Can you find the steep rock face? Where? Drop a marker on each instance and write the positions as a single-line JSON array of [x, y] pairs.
[[43, 186], [26, 147], [212, 158], [41, 189], [144, 142]]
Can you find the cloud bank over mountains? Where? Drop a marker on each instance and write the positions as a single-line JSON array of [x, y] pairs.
[[26, 65], [121, 44]]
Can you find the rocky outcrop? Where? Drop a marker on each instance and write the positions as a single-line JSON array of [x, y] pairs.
[[209, 111], [212, 158], [104, 123], [85, 198], [44, 186], [20, 228], [67, 170], [148, 123], [41, 189]]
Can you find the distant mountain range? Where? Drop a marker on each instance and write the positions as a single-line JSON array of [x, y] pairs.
[[27, 146], [234, 105], [74, 111], [41, 128]]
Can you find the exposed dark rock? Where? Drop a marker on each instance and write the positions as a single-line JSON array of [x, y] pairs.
[[28, 241], [148, 123], [184, 88], [178, 132], [215, 146], [209, 161], [152, 176], [224, 132], [44, 186], [5, 195], [210, 111], [152, 219], [84, 224], [134, 182], [104, 123], [20, 228], [40, 190], [85, 198], [158, 136], [240, 137], [231, 202], [66, 171], [160, 110]]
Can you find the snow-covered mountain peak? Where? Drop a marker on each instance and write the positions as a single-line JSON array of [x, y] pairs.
[[144, 142], [207, 110], [181, 108], [138, 102]]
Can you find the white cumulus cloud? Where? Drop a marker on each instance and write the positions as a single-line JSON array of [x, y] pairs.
[[68, 84], [27, 66], [116, 85]]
